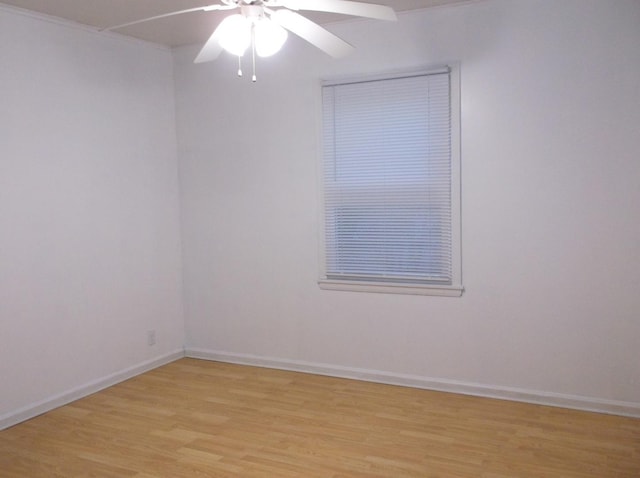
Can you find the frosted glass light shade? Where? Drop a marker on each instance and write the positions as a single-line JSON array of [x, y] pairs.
[[235, 34], [269, 37]]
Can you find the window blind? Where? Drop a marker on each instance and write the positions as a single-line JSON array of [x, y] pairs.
[[387, 180]]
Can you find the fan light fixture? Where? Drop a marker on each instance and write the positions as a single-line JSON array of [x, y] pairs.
[[269, 37], [237, 33], [251, 29], [262, 26]]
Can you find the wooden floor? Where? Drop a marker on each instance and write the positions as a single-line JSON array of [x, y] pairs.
[[195, 418]]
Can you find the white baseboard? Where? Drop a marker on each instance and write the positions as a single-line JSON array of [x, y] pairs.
[[35, 409], [630, 409], [576, 402]]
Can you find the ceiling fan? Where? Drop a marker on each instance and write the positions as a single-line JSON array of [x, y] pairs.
[[262, 26]]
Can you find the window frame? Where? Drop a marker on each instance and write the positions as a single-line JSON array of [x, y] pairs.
[[455, 289]]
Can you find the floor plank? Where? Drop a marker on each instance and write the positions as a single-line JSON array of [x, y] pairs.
[[195, 418]]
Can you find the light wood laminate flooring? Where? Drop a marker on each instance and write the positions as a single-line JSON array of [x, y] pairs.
[[195, 418]]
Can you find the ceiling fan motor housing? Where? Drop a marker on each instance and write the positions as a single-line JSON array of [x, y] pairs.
[[252, 11]]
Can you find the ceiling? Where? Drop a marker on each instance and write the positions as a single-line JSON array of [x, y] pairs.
[[174, 31]]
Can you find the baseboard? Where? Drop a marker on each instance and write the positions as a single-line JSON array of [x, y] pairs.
[[613, 407], [576, 402], [35, 409]]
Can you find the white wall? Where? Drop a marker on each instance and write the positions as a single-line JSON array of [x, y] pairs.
[[551, 201], [89, 210]]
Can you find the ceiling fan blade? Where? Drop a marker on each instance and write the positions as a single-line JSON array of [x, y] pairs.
[[311, 32], [212, 49], [344, 7], [207, 8]]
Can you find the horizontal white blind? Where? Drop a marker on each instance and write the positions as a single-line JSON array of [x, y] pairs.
[[387, 180]]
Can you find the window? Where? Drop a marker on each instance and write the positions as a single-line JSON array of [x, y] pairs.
[[391, 184]]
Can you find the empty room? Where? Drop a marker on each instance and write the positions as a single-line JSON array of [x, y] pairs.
[[320, 238]]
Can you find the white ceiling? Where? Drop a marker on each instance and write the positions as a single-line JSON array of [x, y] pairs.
[[174, 31]]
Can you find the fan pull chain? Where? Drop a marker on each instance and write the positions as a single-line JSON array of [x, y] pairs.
[[239, 66], [253, 50]]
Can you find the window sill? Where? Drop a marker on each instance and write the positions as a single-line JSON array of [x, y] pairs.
[[392, 288]]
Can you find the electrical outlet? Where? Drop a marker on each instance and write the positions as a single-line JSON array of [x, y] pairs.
[[151, 338]]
